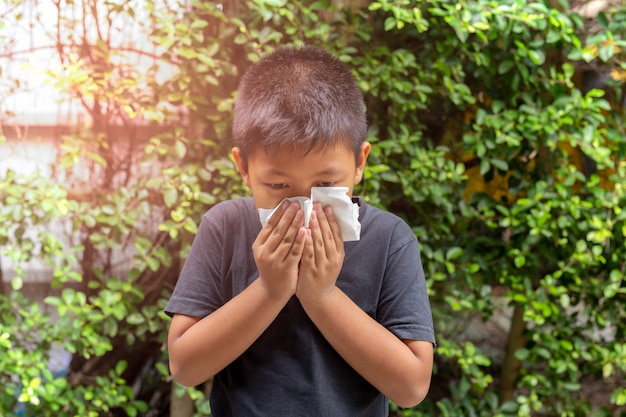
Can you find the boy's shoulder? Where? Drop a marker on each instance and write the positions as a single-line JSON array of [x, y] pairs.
[[234, 210], [379, 216], [383, 225], [237, 203]]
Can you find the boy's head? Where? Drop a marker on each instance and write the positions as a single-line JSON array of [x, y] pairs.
[[299, 123], [298, 98]]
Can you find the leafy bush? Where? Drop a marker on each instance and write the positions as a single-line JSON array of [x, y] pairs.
[[503, 94]]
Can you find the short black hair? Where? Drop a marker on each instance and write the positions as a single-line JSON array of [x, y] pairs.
[[300, 98]]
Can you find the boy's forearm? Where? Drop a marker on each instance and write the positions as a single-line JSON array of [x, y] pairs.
[[372, 350], [204, 348]]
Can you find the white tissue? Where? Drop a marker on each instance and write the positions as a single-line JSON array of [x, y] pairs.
[[346, 212]]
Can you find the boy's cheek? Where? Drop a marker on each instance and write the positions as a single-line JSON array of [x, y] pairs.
[[264, 202], [264, 199]]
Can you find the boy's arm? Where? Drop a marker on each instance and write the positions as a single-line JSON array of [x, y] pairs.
[[401, 370], [199, 348]]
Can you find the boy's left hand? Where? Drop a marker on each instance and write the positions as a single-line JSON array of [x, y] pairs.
[[322, 257]]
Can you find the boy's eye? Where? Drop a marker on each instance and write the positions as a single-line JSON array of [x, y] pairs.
[[277, 186], [326, 184]]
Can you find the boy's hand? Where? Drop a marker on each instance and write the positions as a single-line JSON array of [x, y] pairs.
[[322, 257], [278, 249]]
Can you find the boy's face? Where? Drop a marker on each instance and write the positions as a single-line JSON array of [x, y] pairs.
[[288, 173]]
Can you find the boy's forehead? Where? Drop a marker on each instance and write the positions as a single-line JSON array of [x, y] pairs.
[[325, 160], [304, 150], [272, 170]]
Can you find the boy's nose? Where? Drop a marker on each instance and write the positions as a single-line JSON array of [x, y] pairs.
[[302, 192]]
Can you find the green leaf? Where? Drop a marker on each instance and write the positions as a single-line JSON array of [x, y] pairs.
[[17, 283], [497, 106], [538, 56], [500, 164], [485, 166], [453, 253], [588, 132], [480, 116], [199, 24], [153, 264], [522, 354], [509, 408], [97, 158], [135, 319], [120, 367], [170, 197], [390, 23], [181, 149], [505, 66], [5, 340]]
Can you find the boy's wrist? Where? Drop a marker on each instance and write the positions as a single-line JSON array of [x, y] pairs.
[[280, 295], [320, 301]]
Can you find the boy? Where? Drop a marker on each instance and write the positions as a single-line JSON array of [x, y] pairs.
[[290, 320]]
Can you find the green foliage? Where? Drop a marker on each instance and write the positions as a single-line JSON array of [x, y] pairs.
[[503, 77], [84, 327], [26, 336], [486, 139]]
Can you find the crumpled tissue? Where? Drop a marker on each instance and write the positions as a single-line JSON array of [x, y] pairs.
[[346, 212]]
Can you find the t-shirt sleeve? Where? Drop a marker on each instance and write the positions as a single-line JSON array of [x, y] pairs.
[[403, 306], [197, 292]]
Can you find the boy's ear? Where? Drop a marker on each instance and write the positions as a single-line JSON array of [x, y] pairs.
[[360, 166], [241, 165]]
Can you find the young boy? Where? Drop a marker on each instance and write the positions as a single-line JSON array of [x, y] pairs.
[[290, 320]]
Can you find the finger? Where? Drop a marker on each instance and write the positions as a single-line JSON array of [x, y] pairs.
[[334, 226], [297, 249], [269, 227], [284, 234], [317, 236], [308, 252], [326, 231]]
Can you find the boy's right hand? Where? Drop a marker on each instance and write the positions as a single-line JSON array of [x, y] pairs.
[[278, 248]]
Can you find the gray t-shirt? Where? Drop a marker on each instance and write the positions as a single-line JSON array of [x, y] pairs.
[[291, 370]]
